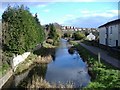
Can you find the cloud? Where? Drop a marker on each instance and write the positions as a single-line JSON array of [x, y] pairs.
[[88, 18], [67, 16], [41, 6], [60, 1], [76, 0], [106, 13], [93, 21], [46, 10], [85, 11], [1, 12]]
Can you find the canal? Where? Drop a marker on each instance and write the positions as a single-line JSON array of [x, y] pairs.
[[64, 68]]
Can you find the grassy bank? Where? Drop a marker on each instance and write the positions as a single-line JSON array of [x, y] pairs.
[[5, 62], [103, 75], [26, 64], [42, 55], [4, 69], [112, 52]]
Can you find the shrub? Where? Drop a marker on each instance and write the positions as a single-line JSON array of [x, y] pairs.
[[78, 35], [50, 41]]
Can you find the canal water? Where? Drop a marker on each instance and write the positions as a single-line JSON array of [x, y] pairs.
[[64, 68]]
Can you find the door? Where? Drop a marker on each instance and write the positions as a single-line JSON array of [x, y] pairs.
[[116, 43]]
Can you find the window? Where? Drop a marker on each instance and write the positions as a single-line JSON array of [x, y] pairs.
[[106, 30], [110, 30]]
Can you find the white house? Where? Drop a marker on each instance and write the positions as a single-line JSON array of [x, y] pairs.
[[109, 33], [90, 37]]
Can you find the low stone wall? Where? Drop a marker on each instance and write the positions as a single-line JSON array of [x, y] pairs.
[[5, 78], [18, 59]]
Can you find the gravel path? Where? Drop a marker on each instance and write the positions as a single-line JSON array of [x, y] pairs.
[[104, 55]]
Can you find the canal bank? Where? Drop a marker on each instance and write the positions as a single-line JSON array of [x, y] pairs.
[[64, 69], [103, 76], [26, 64], [104, 55], [5, 78]]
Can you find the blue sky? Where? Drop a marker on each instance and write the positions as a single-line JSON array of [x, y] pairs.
[[79, 14]]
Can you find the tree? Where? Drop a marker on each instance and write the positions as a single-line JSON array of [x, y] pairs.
[[78, 35], [52, 33], [21, 31]]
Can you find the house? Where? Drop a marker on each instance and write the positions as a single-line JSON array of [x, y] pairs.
[[109, 33], [90, 37]]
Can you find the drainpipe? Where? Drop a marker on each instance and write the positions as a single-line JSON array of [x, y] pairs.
[[107, 36]]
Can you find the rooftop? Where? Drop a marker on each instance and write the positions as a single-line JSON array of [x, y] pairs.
[[111, 23]]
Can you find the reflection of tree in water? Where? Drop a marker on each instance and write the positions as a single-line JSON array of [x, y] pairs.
[[38, 70]]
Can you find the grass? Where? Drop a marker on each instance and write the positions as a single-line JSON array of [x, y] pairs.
[[38, 82], [26, 64], [112, 53], [72, 42], [47, 45], [43, 60], [3, 69], [5, 62], [40, 56], [32, 60], [103, 75]]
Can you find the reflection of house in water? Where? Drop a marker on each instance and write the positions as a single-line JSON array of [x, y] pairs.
[[109, 33], [90, 37]]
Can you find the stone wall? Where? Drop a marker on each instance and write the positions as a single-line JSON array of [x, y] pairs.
[[18, 59], [5, 78]]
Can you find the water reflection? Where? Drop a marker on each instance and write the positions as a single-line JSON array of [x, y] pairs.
[[38, 70], [67, 67]]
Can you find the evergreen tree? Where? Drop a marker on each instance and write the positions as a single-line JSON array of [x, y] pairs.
[[52, 33], [21, 31]]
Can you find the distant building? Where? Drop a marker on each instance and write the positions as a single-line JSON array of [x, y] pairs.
[[109, 33], [90, 37]]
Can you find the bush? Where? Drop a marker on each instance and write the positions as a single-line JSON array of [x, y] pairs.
[[78, 35], [50, 41], [104, 75], [67, 34]]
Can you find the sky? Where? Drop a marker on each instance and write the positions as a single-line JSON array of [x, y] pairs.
[[79, 14]]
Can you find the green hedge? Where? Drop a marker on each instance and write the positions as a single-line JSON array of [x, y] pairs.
[[104, 76]]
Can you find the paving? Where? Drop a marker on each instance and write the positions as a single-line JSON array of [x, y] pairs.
[[103, 54]]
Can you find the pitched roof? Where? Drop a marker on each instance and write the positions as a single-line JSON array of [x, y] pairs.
[[110, 23]]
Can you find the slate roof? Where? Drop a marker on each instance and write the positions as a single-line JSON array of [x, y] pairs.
[[110, 23]]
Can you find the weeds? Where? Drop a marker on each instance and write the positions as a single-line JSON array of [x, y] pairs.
[[103, 75]]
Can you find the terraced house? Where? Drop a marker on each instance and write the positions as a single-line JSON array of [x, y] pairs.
[[109, 33]]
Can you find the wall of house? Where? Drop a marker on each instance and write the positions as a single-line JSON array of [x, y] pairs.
[[102, 35], [119, 34], [90, 37], [113, 36]]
